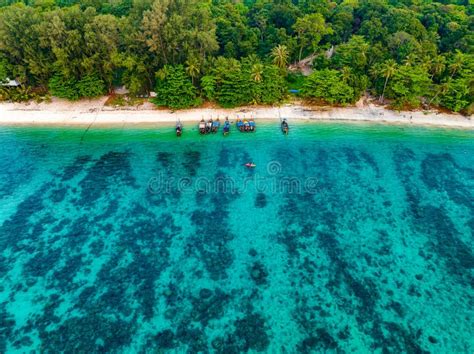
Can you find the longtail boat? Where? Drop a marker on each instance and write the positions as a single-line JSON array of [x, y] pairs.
[[202, 126], [209, 126], [285, 127], [226, 128], [179, 128], [215, 125]]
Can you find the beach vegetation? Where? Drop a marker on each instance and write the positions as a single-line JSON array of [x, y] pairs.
[[16, 94], [4, 70], [62, 87], [174, 88], [233, 83], [23, 94], [385, 71], [241, 52], [408, 85], [88, 86], [328, 86], [456, 94], [295, 81]]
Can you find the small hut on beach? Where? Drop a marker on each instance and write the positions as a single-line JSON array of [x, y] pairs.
[[9, 83]]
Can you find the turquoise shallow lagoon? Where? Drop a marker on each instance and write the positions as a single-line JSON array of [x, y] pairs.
[[344, 238]]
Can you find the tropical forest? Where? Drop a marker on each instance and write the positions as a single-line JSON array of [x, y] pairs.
[[405, 53]]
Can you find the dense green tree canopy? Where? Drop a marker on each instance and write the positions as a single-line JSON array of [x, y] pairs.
[[328, 86], [232, 83], [237, 52], [408, 85], [174, 88]]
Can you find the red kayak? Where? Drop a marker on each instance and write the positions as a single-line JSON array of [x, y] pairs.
[[250, 165]]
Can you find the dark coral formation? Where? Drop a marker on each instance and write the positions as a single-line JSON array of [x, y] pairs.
[[261, 200], [258, 273], [110, 171], [101, 263]]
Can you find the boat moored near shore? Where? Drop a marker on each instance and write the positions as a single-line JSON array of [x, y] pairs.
[[226, 128], [215, 126], [246, 125], [285, 128], [179, 128], [202, 126], [209, 125]]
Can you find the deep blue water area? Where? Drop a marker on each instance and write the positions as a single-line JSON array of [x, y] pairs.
[[343, 238]]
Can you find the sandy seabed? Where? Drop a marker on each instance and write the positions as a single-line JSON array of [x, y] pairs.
[[94, 112]]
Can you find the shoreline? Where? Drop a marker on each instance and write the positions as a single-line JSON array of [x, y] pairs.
[[88, 113]]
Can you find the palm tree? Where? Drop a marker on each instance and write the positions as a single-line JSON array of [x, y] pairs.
[[280, 56], [387, 69], [257, 72], [441, 90], [253, 59], [457, 63], [438, 65], [410, 59], [426, 62], [222, 66], [192, 68], [345, 73]]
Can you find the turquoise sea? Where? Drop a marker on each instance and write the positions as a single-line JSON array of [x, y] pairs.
[[344, 238]]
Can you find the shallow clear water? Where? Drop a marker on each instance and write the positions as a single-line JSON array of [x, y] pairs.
[[344, 238]]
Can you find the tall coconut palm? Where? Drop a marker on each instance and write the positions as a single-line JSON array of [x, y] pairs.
[[457, 63], [387, 69], [192, 68], [257, 72], [438, 65], [410, 60], [280, 56], [441, 90]]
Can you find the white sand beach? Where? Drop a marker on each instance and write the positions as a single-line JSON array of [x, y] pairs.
[[95, 112]]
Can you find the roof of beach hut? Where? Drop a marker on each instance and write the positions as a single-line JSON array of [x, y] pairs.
[[10, 83]]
